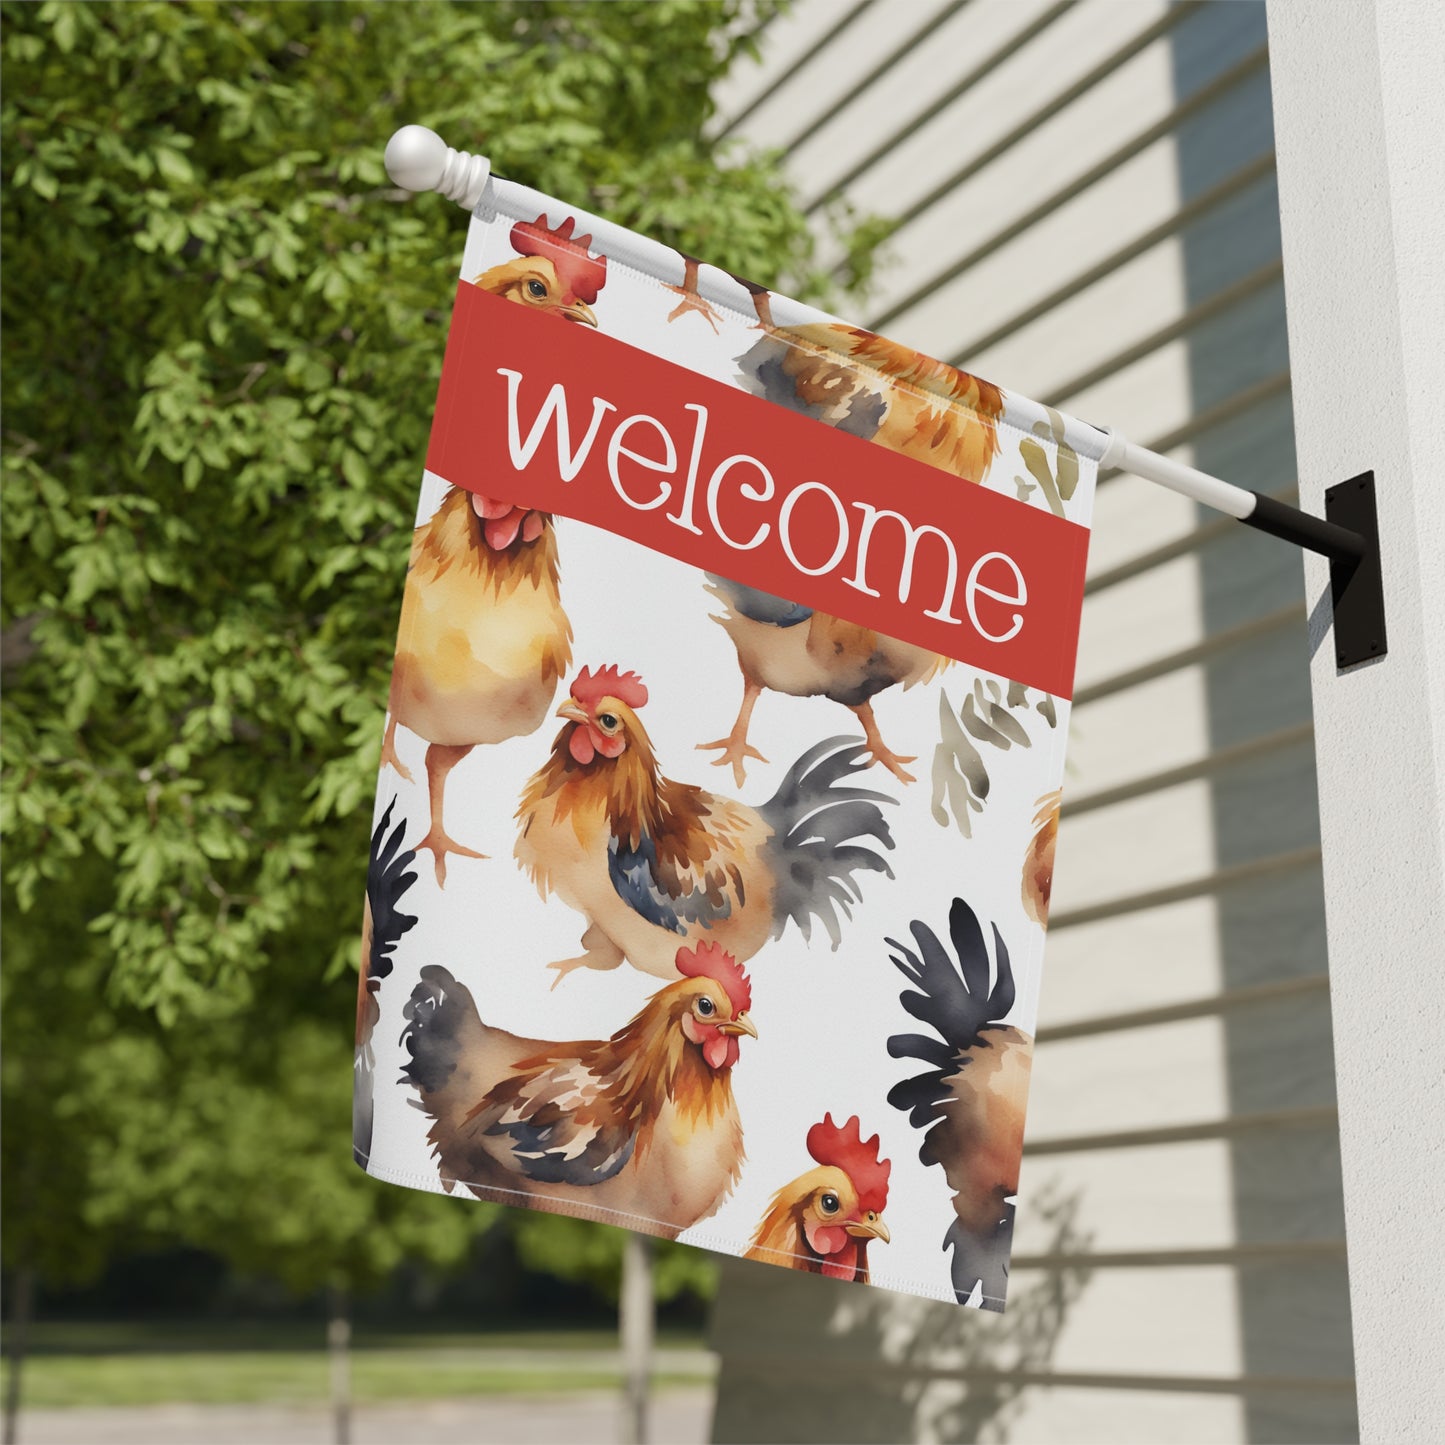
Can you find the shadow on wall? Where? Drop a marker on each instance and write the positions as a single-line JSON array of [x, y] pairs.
[[890, 1349]]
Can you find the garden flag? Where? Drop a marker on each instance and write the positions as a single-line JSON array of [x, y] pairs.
[[715, 825]]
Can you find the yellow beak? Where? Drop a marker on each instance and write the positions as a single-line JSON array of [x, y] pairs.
[[572, 712], [580, 311], [742, 1024], [862, 1229]]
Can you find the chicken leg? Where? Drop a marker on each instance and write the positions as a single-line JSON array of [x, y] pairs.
[[691, 299], [878, 750], [762, 298], [388, 749], [735, 746], [441, 758], [601, 953]]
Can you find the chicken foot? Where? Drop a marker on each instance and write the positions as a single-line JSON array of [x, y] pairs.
[[388, 750], [735, 746], [441, 758], [601, 953], [878, 750], [691, 299]]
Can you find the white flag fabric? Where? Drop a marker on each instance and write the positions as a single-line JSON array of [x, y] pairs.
[[714, 830]]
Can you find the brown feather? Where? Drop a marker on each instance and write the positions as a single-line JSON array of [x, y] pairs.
[[483, 639], [980, 1139], [692, 829], [1038, 881], [646, 1062], [779, 1236], [649, 1087], [935, 413], [368, 1010]]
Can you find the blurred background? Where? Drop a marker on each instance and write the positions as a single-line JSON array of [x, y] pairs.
[[222, 334]]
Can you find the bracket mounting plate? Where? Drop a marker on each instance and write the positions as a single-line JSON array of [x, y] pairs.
[[1357, 586]]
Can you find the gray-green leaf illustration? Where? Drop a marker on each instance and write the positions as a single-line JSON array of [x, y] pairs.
[[990, 716], [1056, 483]]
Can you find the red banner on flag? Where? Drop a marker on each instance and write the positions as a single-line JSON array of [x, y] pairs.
[[563, 419]]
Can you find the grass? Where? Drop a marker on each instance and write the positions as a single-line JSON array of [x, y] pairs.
[[166, 1336], [102, 1365]]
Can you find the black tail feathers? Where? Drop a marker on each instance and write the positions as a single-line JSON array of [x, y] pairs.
[[821, 824], [955, 1001], [958, 1004], [441, 1018], [387, 879]]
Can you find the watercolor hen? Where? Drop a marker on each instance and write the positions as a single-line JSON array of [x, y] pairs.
[[483, 638], [789, 648], [824, 1221], [972, 1096], [554, 272], [642, 1124], [653, 863], [872, 388], [482, 644]]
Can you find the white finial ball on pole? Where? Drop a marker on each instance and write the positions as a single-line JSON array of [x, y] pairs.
[[418, 159], [415, 158]]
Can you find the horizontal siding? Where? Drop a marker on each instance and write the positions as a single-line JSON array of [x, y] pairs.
[[1088, 213]]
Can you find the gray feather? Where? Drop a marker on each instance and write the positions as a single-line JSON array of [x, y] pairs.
[[821, 826], [759, 606], [438, 1013]]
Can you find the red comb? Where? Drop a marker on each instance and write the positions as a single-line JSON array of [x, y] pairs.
[[711, 960], [845, 1149], [581, 275], [591, 687]]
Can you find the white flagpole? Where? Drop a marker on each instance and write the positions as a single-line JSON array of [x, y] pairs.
[[418, 159], [1252, 508], [1187, 481]]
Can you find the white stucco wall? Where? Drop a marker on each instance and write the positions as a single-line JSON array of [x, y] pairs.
[[1359, 95]]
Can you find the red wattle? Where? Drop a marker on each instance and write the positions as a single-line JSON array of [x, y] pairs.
[[502, 521], [488, 508], [843, 1264], [826, 1238], [715, 1051], [502, 533], [580, 745]]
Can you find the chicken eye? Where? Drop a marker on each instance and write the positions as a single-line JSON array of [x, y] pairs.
[[537, 289], [706, 1008], [608, 720], [828, 1204]]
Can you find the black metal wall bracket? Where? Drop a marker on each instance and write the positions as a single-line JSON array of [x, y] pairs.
[[1357, 589], [1349, 535]]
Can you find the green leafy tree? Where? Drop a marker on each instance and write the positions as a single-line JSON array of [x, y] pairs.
[[223, 330]]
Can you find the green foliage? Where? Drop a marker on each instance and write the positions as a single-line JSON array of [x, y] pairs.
[[577, 1249], [223, 330], [229, 1132]]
